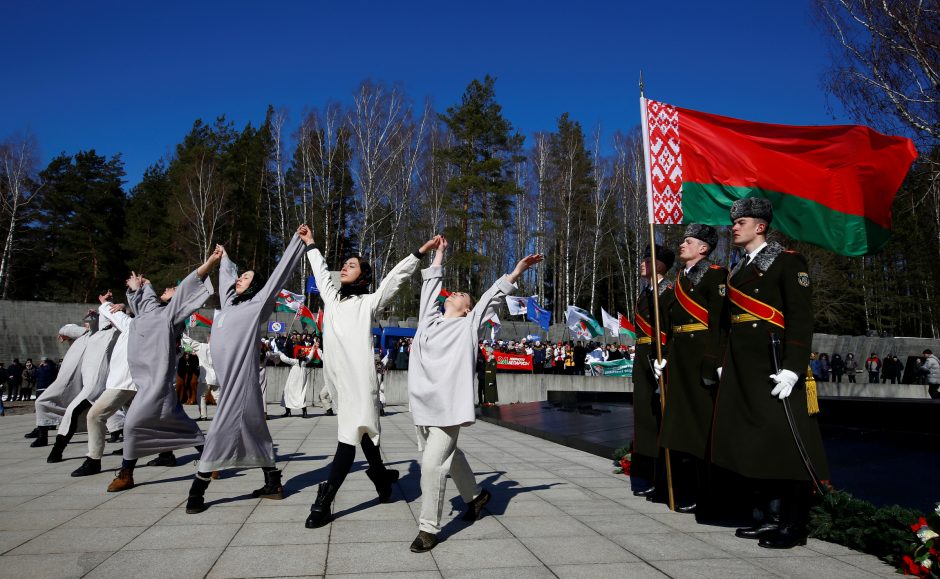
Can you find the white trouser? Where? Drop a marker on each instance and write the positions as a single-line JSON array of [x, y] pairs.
[[107, 404], [326, 398], [201, 395], [440, 458]]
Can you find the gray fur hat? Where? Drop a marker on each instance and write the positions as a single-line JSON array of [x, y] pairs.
[[704, 233], [756, 207]]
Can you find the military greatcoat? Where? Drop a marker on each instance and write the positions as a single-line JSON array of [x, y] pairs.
[[750, 435], [646, 414], [694, 357]]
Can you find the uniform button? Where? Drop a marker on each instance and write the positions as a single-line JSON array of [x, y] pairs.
[[757, 290], [754, 325]]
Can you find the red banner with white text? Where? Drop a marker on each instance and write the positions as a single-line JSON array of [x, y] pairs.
[[506, 361]]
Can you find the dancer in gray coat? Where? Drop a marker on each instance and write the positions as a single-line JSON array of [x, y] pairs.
[[51, 404], [239, 435], [156, 422]]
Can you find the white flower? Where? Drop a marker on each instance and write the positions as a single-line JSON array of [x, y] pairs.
[[937, 510], [926, 563]]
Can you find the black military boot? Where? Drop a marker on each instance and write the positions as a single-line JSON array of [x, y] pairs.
[[42, 439], [768, 524], [163, 459], [383, 479], [34, 432], [321, 512], [116, 436], [786, 537], [286, 412], [196, 502], [88, 468], [304, 411], [272, 488], [55, 455]]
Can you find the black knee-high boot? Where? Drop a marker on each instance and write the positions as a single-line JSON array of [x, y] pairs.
[[196, 503]]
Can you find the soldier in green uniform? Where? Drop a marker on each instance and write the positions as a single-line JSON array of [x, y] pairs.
[[697, 321], [769, 294], [646, 411]]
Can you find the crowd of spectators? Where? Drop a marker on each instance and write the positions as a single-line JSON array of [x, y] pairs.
[[571, 357], [20, 382]]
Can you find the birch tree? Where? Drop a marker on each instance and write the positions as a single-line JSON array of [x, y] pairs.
[[18, 188]]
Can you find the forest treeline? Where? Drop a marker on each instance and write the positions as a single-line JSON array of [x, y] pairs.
[[381, 172]]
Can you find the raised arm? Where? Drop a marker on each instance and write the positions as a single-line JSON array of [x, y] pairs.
[[288, 360], [504, 286], [282, 272], [432, 283], [115, 314], [321, 273], [193, 291], [397, 276], [228, 274]]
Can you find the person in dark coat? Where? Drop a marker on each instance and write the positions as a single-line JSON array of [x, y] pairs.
[[645, 472], [45, 374], [29, 380], [14, 379], [697, 322], [838, 368], [579, 353], [770, 295]]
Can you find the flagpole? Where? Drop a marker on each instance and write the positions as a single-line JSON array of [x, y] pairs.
[[654, 279]]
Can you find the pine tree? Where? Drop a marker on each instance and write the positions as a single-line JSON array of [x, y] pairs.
[[81, 225], [483, 188]]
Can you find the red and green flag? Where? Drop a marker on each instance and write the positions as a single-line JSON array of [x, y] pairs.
[[197, 319], [626, 328], [829, 185], [288, 301], [443, 296], [306, 317]]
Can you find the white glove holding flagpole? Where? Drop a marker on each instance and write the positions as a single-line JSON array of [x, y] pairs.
[[658, 367], [786, 380]]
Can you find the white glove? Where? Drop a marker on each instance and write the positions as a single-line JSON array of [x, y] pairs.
[[785, 380], [658, 367], [718, 371]]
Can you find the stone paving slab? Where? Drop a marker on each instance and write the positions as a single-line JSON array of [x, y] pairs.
[[555, 512]]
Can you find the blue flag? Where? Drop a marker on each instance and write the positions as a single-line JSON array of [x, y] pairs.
[[312, 285], [536, 314]]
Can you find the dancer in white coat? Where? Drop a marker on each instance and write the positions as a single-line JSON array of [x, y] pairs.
[[295, 388], [350, 367], [208, 383], [119, 388], [441, 388]]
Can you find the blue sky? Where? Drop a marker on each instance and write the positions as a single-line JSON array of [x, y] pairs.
[[131, 77]]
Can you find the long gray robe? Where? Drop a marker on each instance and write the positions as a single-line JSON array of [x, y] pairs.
[[239, 435], [51, 404], [156, 422], [94, 370]]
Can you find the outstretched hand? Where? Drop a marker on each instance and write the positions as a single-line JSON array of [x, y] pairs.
[[105, 297], [305, 234], [524, 264], [431, 244], [133, 282], [439, 251]]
